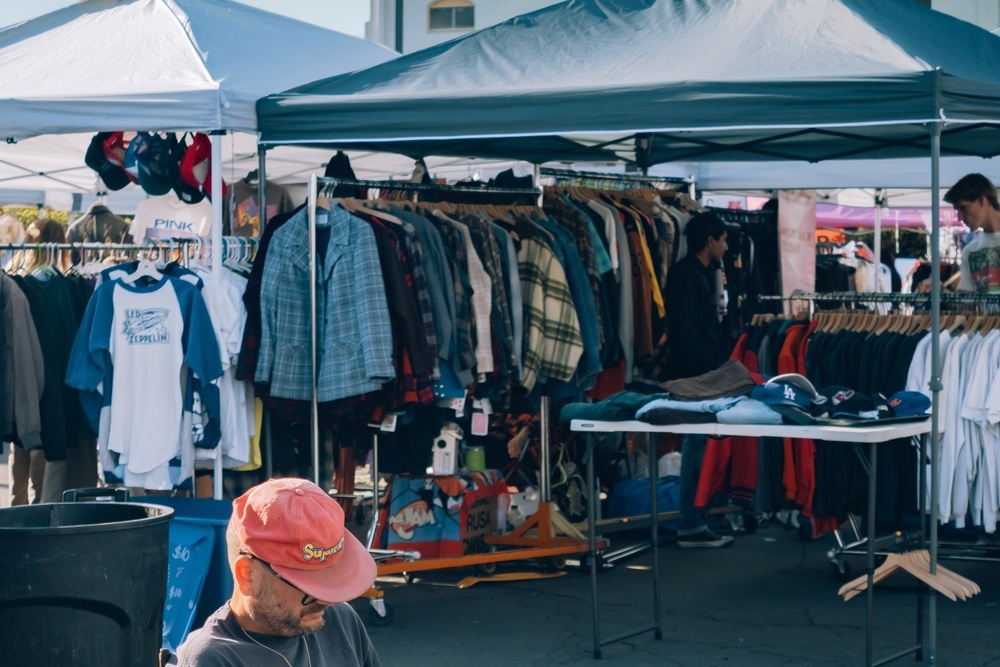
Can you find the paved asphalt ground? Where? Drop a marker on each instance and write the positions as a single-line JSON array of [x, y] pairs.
[[769, 599]]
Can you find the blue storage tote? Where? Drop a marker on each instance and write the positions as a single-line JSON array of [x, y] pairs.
[[197, 533]]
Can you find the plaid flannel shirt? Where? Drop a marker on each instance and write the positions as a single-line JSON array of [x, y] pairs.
[[552, 345]]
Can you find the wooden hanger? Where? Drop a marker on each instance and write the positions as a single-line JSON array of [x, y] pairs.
[[917, 563]]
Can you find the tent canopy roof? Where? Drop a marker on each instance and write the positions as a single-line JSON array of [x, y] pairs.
[[708, 79], [160, 65]]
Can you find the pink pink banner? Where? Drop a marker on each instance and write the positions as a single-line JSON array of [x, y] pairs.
[[831, 216]]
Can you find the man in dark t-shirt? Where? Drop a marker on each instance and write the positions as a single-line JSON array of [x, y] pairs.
[[696, 347]]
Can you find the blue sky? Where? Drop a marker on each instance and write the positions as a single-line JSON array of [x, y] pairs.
[[347, 16]]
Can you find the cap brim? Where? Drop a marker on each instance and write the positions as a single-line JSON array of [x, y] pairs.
[[352, 575], [794, 415]]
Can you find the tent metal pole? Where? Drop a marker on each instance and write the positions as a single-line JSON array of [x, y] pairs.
[[261, 188], [877, 249], [216, 184], [313, 341], [936, 386], [265, 437]]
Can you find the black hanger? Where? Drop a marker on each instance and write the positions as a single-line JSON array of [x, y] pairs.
[[251, 178]]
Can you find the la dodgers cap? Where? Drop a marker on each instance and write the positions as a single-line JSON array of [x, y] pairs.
[[793, 398], [299, 529]]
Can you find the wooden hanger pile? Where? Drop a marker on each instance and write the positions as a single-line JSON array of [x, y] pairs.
[[953, 586]]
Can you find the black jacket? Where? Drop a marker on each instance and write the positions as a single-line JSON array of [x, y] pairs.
[[694, 333]]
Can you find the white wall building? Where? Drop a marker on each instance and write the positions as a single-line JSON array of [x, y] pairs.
[[429, 22], [984, 13]]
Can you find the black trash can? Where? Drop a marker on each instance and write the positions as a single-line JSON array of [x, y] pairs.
[[82, 584]]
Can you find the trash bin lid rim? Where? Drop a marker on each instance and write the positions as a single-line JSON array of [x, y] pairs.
[[163, 515]]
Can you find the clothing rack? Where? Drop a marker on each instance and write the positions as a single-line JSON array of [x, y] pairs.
[[738, 216], [883, 297], [321, 186], [619, 181], [546, 519], [165, 244], [333, 183]]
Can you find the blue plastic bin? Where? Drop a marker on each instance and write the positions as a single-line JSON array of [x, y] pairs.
[[199, 529]]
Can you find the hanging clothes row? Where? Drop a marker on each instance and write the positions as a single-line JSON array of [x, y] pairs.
[[42, 417], [867, 355], [155, 324], [634, 236], [752, 264]]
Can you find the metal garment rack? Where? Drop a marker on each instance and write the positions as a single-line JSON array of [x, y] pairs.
[[620, 181], [886, 297], [524, 548]]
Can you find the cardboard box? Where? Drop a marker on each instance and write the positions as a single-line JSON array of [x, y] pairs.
[[443, 516]]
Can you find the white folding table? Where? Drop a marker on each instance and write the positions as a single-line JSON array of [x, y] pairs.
[[858, 435]]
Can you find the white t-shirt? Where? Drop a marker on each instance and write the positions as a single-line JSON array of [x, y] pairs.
[[169, 217], [980, 270]]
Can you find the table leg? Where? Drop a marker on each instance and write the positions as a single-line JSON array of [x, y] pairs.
[[592, 542], [870, 617], [654, 531]]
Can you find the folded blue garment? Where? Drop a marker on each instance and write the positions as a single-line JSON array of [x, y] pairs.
[[749, 411], [710, 405]]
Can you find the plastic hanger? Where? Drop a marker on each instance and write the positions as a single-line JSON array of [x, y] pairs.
[[146, 268]]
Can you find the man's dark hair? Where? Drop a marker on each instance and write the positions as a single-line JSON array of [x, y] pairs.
[[970, 188], [702, 226]]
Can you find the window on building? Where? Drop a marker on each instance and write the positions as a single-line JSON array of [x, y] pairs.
[[451, 15]]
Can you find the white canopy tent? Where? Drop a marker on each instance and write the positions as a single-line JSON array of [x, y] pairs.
[[181, 65]]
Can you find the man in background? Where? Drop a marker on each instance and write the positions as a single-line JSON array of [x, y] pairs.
[[974, 197], [697, 346]]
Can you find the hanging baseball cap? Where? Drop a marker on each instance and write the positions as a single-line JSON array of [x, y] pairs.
[[186, 193], [153, 163], [298, 529], [196, 165], [116, 150], [130, 163], [112, 175]]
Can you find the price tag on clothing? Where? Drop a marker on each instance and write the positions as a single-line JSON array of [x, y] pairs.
[[482, 404], [389, 423], [458, 405], [480, 423]]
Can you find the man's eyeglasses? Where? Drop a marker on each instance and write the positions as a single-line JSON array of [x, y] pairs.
[[306, 598]]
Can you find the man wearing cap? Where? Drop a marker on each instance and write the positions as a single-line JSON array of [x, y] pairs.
[[697, 346], [294, 568], [975, 199]]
